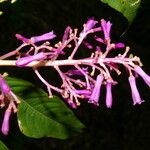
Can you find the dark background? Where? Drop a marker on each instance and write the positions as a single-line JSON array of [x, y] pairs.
[[124, 127]]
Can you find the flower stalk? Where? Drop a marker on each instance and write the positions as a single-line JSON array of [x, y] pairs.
[[83, 77]]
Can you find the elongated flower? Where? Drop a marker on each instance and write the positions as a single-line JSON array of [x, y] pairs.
[[145, 76], [82, 92], [7, 96], [94, 98], [43, 37], [22, 38], [26, 60], [135, 93], [118, 45], [89, 25], [106, 27], [99, 39], [66, 33], [5, 89], [88, 45], [76, 72], [6, 92], [5, 124], [71, 103], [108, 94]]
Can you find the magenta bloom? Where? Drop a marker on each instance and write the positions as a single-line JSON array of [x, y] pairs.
[[119, 45], [66, 33], [145, 76], [99, 39], [89, 25], [77, 72], [94, 98], [108, 94], [71, 104], [26, 60], [82, 92], [6, 91], [106, 27], [44, 37], [22, 38], [5, 124], [4, 86], [89, 46], [135, 93]]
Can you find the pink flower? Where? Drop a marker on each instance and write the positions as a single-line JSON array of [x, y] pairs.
[[6, 93], [106, 27], [145, 76], [5, 124], [89, 25], [108, 94], [22, 38], [118, 45], [94, 98], [77, 72], [89, 46], [4, 86], [82, 92], [71, 104], [135, 93], [26, 60], [43, 37], [66, 33]]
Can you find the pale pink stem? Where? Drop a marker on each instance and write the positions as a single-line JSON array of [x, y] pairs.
[[45, 82], [13, 52]]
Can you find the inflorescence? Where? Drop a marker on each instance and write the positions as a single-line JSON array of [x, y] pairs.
[[84, 76]]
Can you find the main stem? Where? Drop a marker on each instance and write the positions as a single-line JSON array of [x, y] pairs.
[[68, 62]]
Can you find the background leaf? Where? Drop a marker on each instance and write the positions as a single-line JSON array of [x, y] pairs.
[[3, 146], [39, 116], [127, 7]]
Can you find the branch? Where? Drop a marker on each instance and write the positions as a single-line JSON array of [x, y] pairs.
[[72, 62]]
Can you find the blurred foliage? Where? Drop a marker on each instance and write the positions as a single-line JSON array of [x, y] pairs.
[[123, 127], [127, 7], [3, 146]]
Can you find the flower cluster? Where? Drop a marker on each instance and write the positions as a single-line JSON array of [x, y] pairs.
[[83, 77]]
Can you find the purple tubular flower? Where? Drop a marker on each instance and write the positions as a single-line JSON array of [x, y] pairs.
[[89, 25], [98, 39], [119, 45], [89, 46], [82, 92], [97, 29], [71, 104], [26, 60], [145, 76], [66, 33], [108, 94], [94, 98], [5, 124], [76, 72], [106, 26], [44, 37], [22, 38], [135, 94], [4, 86]]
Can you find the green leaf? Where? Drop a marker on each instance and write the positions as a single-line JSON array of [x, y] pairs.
[[127, 7], [40, 116], [3, 146]]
